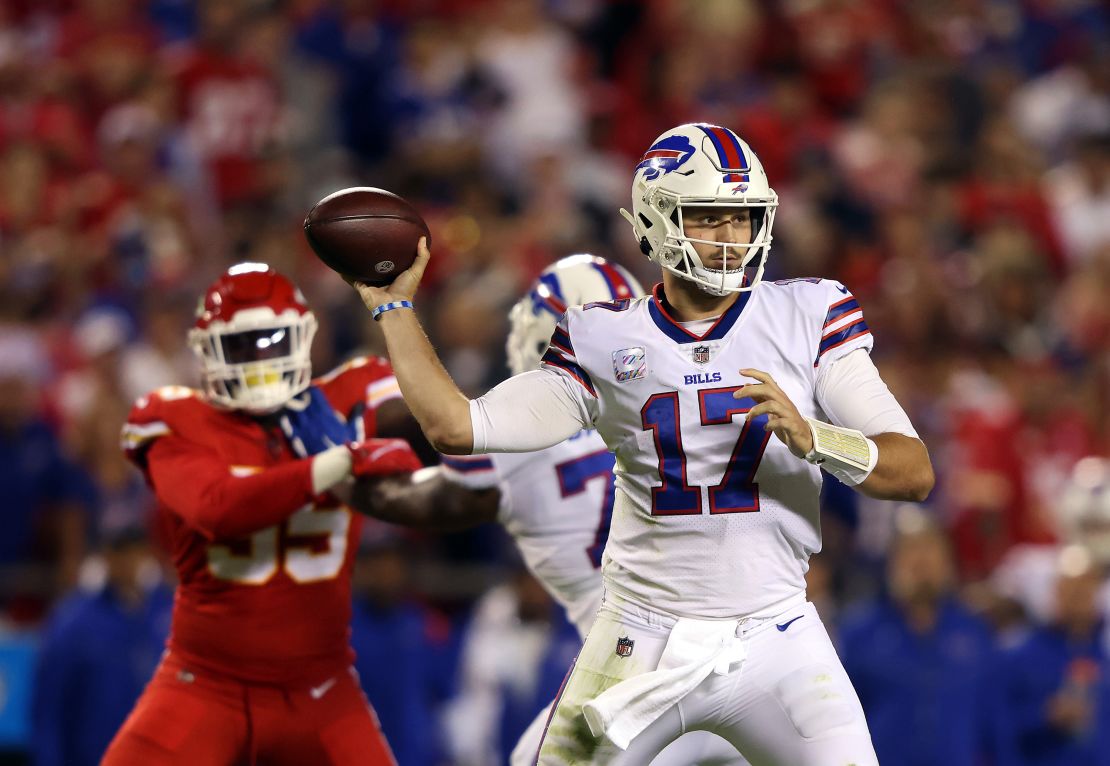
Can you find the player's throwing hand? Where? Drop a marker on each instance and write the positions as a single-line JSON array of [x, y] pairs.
[[403, 288], [782, 416]]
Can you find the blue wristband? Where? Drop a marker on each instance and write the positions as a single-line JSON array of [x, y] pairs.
[[376, 313]]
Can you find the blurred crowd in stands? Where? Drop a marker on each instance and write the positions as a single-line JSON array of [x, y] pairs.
[[947, 160]]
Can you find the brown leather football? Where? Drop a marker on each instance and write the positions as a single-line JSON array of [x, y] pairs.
[[365, 233]]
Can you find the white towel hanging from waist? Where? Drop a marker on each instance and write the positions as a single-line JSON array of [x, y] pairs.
[[694, 649]]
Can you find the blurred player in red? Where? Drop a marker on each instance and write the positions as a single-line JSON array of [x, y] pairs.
[[249, 476]]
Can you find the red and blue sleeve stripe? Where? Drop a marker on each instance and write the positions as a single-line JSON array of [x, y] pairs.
[[560, 355], [561, 340], [841, 336], [559, 362], [466, 464], [840, 309]]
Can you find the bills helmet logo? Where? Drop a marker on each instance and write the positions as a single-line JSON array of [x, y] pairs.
[[665, 156], [624, 646]]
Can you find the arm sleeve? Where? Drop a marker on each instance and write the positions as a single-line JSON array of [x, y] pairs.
[[477, 473], [852, 395], [530, 411], [470, 471], [200, 488]]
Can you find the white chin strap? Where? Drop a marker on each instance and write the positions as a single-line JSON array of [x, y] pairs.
[[721, 282], [730, 282]]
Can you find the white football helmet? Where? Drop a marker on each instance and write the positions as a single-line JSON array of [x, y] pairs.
[[1085, 507], [705, 166], [571, 281], [253, 335]]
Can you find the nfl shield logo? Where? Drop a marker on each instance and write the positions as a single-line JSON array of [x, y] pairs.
[[624, 646], [701, 354]]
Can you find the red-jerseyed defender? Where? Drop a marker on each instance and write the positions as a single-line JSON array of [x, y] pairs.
[[248, 475]]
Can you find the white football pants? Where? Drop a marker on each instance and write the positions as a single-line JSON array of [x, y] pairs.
[[787, 702]]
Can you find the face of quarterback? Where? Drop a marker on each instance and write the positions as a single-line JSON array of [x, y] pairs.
[[717, 224]]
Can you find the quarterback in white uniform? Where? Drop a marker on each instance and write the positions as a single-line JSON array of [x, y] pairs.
[[704, 623]]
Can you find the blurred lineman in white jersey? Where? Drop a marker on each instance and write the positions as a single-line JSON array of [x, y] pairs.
[[556, 503], [704, 623]]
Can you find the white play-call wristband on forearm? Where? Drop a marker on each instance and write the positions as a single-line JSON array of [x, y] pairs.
[[843, 452]]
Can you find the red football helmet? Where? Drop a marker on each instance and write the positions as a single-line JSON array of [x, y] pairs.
[[253, 335]]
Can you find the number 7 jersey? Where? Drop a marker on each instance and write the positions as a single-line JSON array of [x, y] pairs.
[[714, 517], [557, 504]]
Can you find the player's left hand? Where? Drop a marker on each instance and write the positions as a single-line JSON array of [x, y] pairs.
[[782, 416], [312, 425], [403, 288]]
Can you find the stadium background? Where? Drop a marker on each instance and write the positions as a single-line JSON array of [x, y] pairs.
[[948, 160]]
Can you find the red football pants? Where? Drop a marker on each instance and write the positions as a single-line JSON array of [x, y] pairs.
[[185, 718]]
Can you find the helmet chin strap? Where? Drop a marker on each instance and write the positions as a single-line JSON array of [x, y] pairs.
[[715, 281], [717, 292]]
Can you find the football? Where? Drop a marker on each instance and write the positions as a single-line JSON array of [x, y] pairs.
[[365, 233]]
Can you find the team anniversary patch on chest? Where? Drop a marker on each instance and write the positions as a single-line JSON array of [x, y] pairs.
[[630, 364]]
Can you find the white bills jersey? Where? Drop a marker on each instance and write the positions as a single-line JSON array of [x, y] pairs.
[[557, 504], [714, 517]]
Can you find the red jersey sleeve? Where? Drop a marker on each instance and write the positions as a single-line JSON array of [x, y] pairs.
[[167, 436], [199, 487]]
